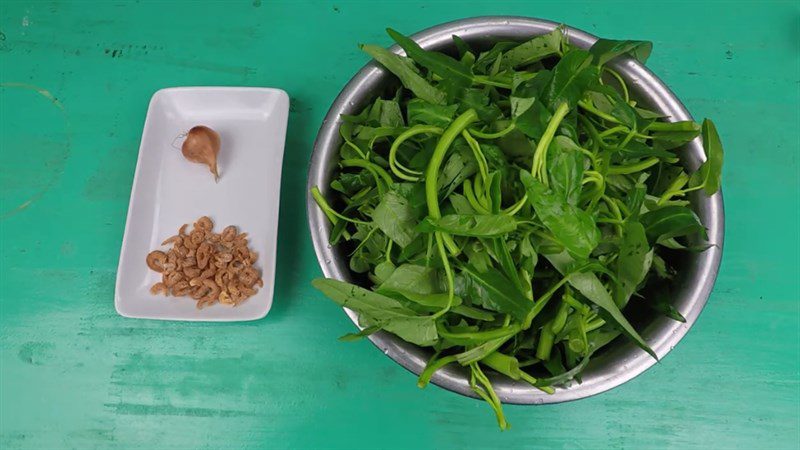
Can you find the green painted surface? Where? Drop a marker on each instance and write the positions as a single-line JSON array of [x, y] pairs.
[[76, 82]]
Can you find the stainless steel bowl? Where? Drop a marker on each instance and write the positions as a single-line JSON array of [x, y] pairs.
[[623, 360]]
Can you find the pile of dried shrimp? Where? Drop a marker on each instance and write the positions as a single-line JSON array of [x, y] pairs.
[[206, 266]]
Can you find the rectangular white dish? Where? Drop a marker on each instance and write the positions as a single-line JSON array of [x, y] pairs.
[[169, 191]]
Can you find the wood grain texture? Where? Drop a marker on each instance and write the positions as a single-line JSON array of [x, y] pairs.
[[76, 79]]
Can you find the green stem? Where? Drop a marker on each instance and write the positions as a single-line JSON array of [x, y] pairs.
[[483, 166], [448, 274], [561, 317], [432, 171], [479, 336], [540, 153], [590, 108], [633, 168], [672, 126], [470, 195], [525, 376], [609, 220], [595, 324], [687, 190], [628, 138], [480, 79], [431, 368], [576, 305], [612, 206], [326, 208], [623, 207], [372, 167], [593, 176], [432, 181], [513, 209], [451, 245], [365, 240], [617, 129], [593, 134], [495, 403], [395, 165], [355, 147], [496, 135], [588, 153], [480, 193], [620, 81], [389, 251], [675, 188], [545, 342]]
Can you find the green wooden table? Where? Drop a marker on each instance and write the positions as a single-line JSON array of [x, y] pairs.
[[76, 79]]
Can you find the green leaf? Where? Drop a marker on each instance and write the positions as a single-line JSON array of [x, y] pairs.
[[416, 330], [436, 301], [371, 134], [379, 310], [478, 100], [636, 197], [533, 50], [391, 116], [383, 271], [461, 204], [710, 172], [565, 169], [414, 193], [486, 59], [633, 263], [470, 225], [661, 303], [573, 228], [517, 144], [572, 76], [396, 218], [376, 306], [495, 195], [529, 256], [477, 255], [352, 337], [503, 255], [671, 221], [604, 50], [458, 167], [520, 104], [350, 183], [494, 291], [421, 112], [359, 263], [438, 63], [530, 85], [608, 100], [473, 313], [463, 47], [410, 79], [638, 150], [670, 135], [412, 278], [590, 286], [533, 121]]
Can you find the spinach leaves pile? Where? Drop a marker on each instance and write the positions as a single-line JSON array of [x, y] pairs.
[[505, 206]]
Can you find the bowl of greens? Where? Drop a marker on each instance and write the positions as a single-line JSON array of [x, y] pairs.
[[516, 210]]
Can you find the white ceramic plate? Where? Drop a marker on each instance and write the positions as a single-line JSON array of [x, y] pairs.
[[169, 191]]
